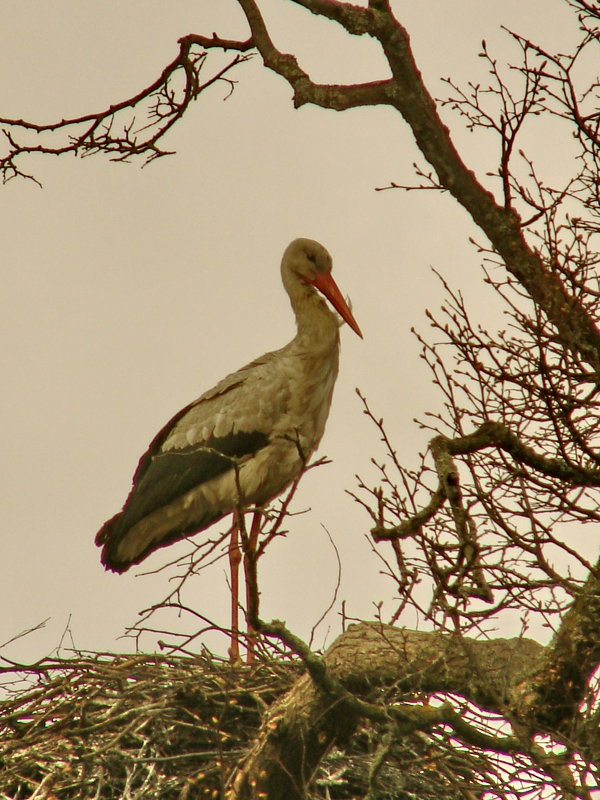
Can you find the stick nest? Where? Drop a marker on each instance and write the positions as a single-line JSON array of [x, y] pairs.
[[132, 726], [173, 727]]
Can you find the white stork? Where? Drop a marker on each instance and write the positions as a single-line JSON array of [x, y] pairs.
[[246, 440]]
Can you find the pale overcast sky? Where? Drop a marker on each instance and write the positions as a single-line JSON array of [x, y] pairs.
[[128, 292]]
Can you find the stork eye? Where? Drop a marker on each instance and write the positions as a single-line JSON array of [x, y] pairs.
[[312, 257]]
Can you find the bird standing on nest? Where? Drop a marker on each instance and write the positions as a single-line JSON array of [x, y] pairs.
[[246, 440]]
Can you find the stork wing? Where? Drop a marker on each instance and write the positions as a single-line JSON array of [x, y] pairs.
[[224, 427]]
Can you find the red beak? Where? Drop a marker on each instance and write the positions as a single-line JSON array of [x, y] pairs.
[[328, 287]]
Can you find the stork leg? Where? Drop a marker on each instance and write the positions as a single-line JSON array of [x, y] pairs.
[[235, 556], [251, 582]]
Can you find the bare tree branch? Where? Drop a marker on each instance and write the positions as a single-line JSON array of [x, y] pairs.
[[161, 105]]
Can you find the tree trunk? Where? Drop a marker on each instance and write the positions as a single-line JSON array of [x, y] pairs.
[[302, 726]]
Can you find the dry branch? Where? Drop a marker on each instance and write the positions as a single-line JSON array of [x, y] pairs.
[[160, 105], [327, 708]]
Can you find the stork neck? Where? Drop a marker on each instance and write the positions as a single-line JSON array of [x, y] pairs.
[[318, 326]]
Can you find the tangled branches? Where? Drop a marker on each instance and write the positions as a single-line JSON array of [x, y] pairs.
[[130, 726], [489, 519], [514, 453]]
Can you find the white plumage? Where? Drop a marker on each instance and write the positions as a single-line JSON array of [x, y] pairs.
[[244, 441]]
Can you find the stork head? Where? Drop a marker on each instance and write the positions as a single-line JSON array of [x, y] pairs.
[[306, 264]]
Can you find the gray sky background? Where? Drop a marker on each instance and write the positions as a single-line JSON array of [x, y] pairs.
[[126, 293]]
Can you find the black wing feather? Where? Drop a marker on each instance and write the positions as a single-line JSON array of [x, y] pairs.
[[169, 475]]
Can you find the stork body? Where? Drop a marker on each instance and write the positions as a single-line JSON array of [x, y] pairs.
[[246, 440]]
